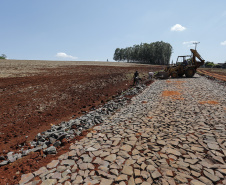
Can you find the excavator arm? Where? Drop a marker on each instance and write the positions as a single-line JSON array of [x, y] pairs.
[[196, 54]]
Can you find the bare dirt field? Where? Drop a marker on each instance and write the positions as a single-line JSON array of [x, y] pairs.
[[216, 73], [36, 94], [219, 71]]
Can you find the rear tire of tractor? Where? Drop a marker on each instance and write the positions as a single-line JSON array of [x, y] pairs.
[[190, 73]]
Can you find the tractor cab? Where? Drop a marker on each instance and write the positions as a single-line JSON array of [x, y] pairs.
[[181, 59]]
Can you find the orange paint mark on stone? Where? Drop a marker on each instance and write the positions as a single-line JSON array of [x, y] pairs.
[[175, 95], [211, 102], [171, 93], [202, 102], [177, 98], [179, 82], [144, 101], [175, 82]]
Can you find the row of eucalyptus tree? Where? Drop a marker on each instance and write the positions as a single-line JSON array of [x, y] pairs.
[[153, 53]]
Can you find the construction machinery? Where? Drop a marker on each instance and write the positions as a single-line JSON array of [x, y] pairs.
[[187, 67]]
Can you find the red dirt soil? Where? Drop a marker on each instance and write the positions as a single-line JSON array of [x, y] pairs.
[[220, 75], [30, 104]]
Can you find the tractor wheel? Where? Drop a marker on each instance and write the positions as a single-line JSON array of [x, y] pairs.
[[174, 75], [189, 73]]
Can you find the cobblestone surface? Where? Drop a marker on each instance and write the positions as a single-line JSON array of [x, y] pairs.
[[171, 133]]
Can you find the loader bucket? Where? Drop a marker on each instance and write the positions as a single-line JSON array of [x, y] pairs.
[[162, 75]]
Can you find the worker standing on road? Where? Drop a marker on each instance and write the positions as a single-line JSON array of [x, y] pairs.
[[184, 64], [150, 75], [135, 77]]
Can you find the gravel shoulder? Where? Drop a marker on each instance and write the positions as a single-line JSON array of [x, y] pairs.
[[171, 133]]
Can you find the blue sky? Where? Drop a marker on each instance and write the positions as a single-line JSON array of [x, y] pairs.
[[88, 30]]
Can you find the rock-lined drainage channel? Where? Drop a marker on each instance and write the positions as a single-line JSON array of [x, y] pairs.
[[68, 130], [171, 133]]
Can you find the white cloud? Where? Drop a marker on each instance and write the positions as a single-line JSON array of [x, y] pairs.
[[223, 43], [64, 55], [178, 27]]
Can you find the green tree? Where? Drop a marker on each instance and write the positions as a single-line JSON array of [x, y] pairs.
[[117, 54], [209, 64], [3, 56], [147, 53]]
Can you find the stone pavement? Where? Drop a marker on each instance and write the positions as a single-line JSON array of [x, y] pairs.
[[171, 133]]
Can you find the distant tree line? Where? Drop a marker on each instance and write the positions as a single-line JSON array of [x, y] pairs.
[[209, 64], [153, 53]]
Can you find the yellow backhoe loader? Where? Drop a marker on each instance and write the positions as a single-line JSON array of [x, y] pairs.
[[187, 67]]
